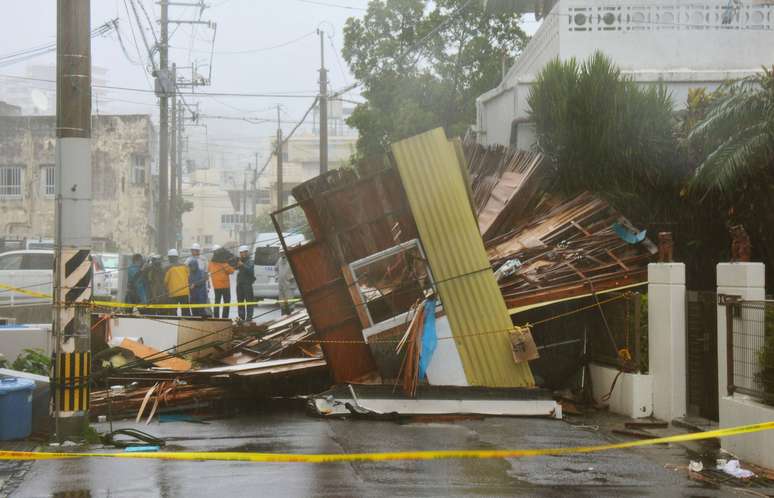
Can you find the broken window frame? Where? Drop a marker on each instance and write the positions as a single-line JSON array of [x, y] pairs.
[[382, 255]]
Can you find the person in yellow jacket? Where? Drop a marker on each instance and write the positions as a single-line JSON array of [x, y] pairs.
[[176, 281]]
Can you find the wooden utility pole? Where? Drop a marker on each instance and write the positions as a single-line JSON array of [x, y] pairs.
[[178, 221], [173, 164], [163, 79], [280, 186], [243, 237], [70, 370], [323, 107]]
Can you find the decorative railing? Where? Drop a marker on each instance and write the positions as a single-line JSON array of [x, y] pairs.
[[665, 16]]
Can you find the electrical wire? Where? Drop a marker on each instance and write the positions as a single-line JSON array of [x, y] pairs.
[[336, 5], [255, 50], [199, 94]]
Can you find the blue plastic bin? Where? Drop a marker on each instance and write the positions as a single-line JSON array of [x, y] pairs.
[[15, 408]]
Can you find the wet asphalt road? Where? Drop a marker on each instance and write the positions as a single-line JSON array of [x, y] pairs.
[[617, 473]]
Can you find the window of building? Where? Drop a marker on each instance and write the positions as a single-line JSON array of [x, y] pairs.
[[11, 178], [208, 239], [138, 170], [232, 219], [47, 187]]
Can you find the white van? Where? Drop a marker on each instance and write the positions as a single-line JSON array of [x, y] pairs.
[[267, 247], [33, 270]]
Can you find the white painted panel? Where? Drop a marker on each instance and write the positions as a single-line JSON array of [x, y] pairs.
[[445, 368]]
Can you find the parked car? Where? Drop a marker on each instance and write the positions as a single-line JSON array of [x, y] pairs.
[[267, 247], [33, 270]]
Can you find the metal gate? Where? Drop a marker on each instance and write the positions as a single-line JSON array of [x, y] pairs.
[[701, 348]]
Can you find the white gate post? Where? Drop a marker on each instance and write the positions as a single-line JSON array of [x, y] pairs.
[[666, 338]]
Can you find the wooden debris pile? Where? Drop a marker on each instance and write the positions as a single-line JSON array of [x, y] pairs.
[[543, 247], [277, 350], [504, 184]]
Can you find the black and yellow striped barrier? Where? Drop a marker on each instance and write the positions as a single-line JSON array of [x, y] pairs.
[[71, 381], [378, 457]]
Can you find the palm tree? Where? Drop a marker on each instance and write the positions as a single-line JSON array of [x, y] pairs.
[[736, 134]]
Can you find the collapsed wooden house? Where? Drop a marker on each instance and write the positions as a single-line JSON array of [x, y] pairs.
[[381, 238]]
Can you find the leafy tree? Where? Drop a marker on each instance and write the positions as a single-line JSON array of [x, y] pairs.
[[604, 132], [737, 133], [422, 64], [732, 148]]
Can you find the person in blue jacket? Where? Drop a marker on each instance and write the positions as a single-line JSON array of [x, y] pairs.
[[198, 287], [137, 283]]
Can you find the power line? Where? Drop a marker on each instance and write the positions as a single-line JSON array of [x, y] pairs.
[[195, 94], [254, 50], [336, 5]]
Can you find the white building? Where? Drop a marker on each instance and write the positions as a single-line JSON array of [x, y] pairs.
[[217, 216], [684, 44]]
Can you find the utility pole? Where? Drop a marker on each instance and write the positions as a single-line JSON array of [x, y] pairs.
[[244, 209], [180, 128], [71, 364], [163, 79], [173, 164], [280, 186], [323, 107]]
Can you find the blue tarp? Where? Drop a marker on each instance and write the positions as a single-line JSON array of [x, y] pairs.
[[628, 236], [429, 339]]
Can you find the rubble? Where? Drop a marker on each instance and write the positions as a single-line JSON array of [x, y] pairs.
[[176, 381]]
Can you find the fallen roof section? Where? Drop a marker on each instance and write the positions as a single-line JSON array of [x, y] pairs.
[[579, 247], [437, 194]]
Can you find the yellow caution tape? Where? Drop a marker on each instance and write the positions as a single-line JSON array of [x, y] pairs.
[[25, 292], [116, 304], [378, 457]]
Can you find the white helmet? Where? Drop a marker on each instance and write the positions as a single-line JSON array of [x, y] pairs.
[[215, 247], [172, 252], [244, 249], [196, 247]]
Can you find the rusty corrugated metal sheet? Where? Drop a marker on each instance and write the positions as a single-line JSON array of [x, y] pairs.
[[430, 172]]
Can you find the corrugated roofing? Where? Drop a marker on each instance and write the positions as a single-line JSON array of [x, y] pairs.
[[430, 172]]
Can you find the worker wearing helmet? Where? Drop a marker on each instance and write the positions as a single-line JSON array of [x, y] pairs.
[[176, 281], [245, 279]]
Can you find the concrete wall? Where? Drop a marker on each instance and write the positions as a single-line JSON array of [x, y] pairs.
[[746, 280], [757, 448], [123, 211], [681, 44], [632, 395]]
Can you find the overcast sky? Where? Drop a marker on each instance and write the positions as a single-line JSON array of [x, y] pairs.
[[280, 54]]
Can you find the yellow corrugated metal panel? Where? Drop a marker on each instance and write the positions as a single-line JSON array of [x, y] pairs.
[[431, 176]]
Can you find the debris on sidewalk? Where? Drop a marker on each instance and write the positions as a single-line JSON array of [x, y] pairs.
[[383, 400], [246, 358], [733, 468]]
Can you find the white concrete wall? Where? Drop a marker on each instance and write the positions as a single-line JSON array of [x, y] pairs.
[[666, 339], [632, 395], [746, 280], [757, 448]]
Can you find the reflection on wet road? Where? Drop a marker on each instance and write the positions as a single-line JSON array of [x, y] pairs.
[[616, 473]]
